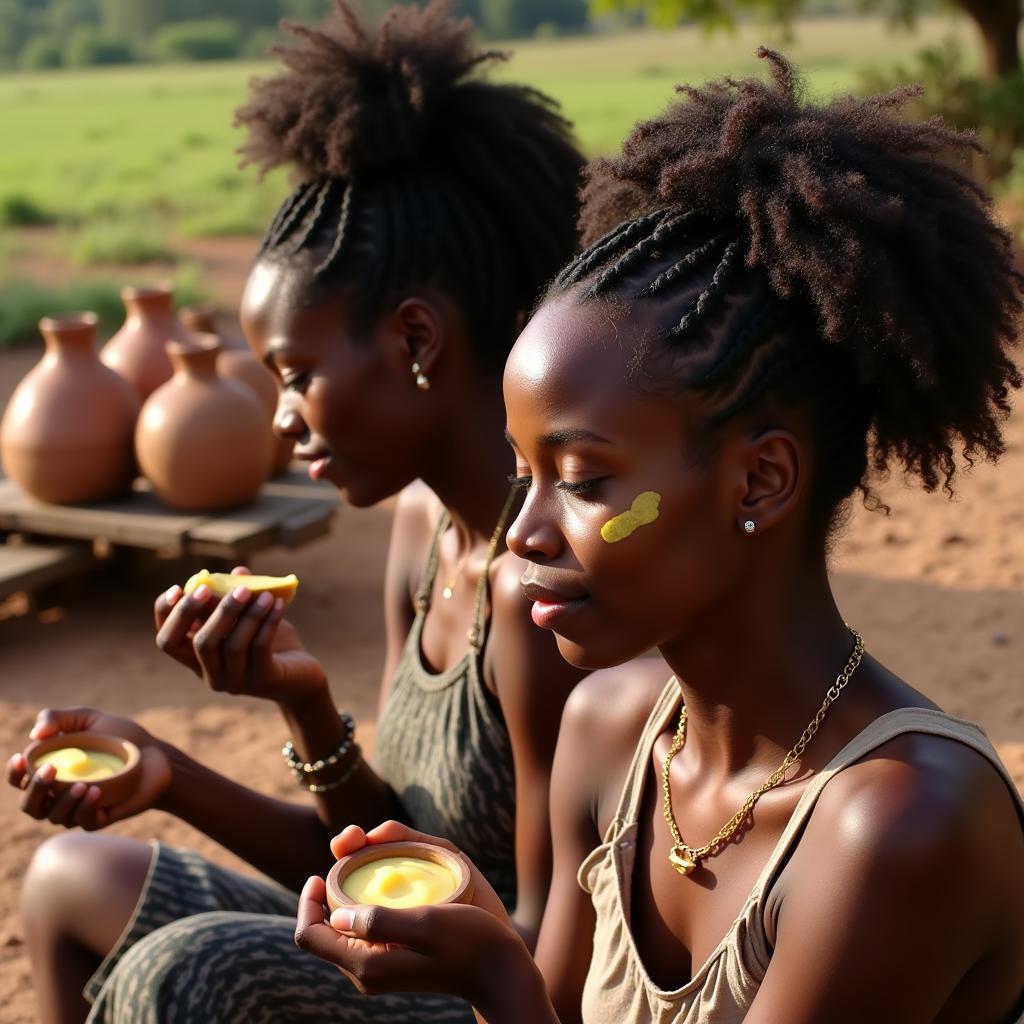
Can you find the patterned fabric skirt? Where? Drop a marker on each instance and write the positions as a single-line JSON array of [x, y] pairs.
[[209, 945]]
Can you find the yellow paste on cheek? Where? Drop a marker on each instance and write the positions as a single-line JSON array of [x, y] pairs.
[[399, 882], [644, 510], [76, 765]]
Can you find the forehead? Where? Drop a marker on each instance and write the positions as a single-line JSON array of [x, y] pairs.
[[275, 291], [577, 365], [568, 351]]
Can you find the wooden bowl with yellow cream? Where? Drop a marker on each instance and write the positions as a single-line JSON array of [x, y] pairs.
[[405, 874], [109, 762]]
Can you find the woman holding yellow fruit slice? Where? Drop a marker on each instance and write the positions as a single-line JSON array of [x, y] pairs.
[[432, 207]]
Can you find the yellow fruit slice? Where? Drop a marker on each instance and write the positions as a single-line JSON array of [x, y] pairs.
[[222, 583]]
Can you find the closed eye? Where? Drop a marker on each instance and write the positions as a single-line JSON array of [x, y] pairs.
[[297, 382], [580, 486], [519, 481]]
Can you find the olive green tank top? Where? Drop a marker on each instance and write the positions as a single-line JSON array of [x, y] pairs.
[[443, 747], [618, 989]]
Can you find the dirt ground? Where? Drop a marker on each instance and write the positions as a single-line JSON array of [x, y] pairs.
[[937, 589]]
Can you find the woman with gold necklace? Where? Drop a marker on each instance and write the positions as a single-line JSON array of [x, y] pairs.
[[787, 833]]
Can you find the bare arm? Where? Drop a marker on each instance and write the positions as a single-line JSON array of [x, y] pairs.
[[881, 918]]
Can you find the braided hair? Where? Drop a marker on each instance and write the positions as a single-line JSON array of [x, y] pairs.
[[832, 256], [414, 171]]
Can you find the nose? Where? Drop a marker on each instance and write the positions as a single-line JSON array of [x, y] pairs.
[[535, 535], [288, 421]]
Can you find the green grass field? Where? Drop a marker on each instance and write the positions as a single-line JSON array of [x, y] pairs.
[[153, 146]]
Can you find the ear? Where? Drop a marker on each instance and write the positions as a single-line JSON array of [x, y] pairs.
[[772, 479], [420, 333]]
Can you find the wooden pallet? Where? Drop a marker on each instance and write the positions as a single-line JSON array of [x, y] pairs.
[[28, 567], [290, 511]]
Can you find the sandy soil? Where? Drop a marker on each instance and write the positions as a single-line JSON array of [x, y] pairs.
[[937, 590]]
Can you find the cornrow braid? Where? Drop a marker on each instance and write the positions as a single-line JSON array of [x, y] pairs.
[[339, 232], [289, 210], [669, 228], [830, 256], [463, 184], [714, 291], [324, 189]]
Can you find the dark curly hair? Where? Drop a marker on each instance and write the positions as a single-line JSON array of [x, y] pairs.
[[830, 255], [413, 170]]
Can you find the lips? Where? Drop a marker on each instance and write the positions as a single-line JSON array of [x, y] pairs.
[[319, 463], [554, 601]]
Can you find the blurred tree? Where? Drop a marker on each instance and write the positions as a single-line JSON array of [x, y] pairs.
[[509, 18], [998, 21]]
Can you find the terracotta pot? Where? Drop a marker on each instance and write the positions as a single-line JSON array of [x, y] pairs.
[[137, 350], [67, 433], [238, 363], [202, 440], [202, 318], [243, 366]]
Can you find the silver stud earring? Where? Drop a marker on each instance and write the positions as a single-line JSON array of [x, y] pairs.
[[421, 378], [750, 526]]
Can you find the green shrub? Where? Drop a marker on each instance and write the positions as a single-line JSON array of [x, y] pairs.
[[214, 39], [40, 52], [17, 210], [119, 242], [87, 46], [995, 110], [258, 42], [24, 303]]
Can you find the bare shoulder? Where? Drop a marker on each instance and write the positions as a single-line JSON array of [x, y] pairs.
[[602, 722], [923, 809], [918, 790], [615, 703], [416, 513], [417, 508]]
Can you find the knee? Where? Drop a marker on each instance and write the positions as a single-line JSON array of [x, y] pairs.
[[77, 881]]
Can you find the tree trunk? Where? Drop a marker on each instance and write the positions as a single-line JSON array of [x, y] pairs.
[[999, 22]]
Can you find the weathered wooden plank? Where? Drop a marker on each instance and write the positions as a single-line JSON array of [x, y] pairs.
[[26, 567], [307, 524], [137, 520]]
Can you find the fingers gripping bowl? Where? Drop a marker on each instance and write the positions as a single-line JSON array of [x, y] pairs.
[[110, 763], [404, 874]]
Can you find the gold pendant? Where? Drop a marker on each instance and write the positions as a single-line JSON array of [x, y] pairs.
[[448, 591], [683, 864]]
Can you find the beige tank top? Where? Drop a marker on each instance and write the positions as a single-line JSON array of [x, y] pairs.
[[618, 989]]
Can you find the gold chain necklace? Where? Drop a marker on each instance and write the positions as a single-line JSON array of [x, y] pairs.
[[686, 858]]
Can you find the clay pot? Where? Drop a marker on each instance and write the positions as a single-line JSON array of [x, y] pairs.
[[67, 433], [237, 362], [202, 319], [202, 440], [137, 351], [243, 366]]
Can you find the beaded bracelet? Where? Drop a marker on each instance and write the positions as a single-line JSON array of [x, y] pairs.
[[326, 787], [300, 767]]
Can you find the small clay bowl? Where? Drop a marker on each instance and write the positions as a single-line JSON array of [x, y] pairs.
[[114, 788], [337, 897]]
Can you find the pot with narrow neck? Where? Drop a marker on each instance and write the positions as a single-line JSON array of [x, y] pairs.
[[137, 351], [66, 435], [237, 362], [202, 439]]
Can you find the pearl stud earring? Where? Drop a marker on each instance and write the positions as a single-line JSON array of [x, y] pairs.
[[421, 378], [750, 526]]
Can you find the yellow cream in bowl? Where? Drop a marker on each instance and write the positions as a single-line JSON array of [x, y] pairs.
[[399, 882], [74, 764]]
